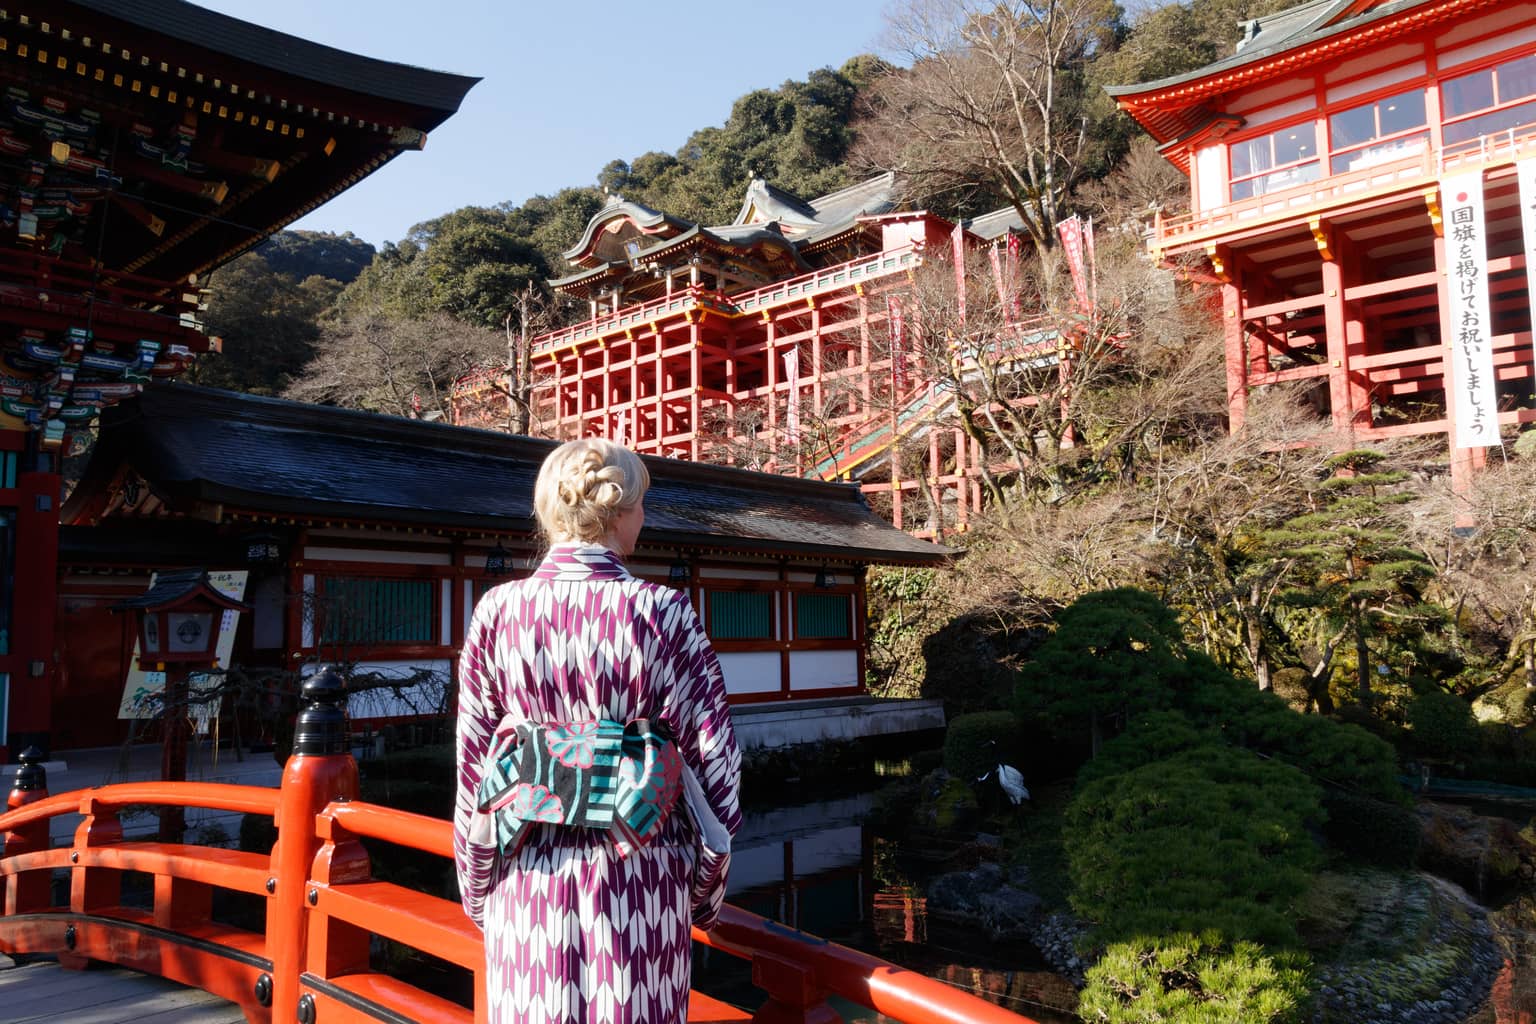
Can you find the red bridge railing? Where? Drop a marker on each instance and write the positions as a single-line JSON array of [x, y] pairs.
[[322, 905]]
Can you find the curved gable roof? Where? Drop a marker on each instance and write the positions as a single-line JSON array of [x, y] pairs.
[[273, 456], [649, 221]]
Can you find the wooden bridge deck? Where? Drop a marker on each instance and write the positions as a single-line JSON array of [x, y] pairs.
[[41, 991]]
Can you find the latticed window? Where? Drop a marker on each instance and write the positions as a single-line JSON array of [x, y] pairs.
[[740, 615], [823, 616], [367, 611]]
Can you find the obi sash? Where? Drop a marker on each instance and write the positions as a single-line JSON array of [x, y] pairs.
[[619, 778]]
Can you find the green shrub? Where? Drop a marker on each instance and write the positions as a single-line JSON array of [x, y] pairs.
[[974, 744], [1329, 751], [1441, 725], [1193, 979], [1371, 831], [1155, 736], [1211, 838]]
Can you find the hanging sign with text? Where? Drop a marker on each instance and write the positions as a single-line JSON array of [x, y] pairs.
[[1472, 394]]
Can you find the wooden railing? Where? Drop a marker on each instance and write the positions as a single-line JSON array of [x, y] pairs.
[[1420, 170], [322, 906], [693, 297]]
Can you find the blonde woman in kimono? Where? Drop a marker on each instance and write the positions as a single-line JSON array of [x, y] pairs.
[[577, 930]]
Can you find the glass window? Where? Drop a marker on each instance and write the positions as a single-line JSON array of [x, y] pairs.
[[1251, 156], [741, 614], [823, 616], [1491, 123], [1517, 79], [1467, 93], [1293, 144], [1293, 150], [1353, 127], [1401, 113], [359, 610]]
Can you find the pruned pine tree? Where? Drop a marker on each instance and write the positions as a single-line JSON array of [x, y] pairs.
[[1355, 569]]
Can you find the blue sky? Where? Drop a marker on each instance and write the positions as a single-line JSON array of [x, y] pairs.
[[568, 84]]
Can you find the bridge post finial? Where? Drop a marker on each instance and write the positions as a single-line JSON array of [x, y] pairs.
[[321, 727], [31, 776], [26, 892], [319, 771]]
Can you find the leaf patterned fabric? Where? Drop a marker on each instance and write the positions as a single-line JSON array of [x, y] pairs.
[[574, 933]]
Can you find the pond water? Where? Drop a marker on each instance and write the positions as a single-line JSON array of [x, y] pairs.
[[817, 867]]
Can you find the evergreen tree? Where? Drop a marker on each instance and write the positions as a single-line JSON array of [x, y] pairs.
[[1352, 568]]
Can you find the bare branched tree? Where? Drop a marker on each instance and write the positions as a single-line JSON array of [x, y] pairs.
[[990, 102], [1207, 505], [388, 364], [1061, 396], [1484, 545]]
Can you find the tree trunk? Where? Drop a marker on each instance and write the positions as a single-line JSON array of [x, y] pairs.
[[1362, 654]]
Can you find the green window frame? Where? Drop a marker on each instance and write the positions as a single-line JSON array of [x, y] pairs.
[[824, 616], [741, 614], [370, 610]]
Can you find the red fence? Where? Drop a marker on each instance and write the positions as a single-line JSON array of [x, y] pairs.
[[323, 906]]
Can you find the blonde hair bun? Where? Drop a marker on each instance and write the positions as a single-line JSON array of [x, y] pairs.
[[584, 485]]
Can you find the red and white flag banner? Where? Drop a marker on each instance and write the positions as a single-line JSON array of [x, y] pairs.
[[896, 327], [621, 427], [1015, 250], [1474, 398], [792, 409], [1071, 233], [1525, 171], [997, 276], [957, 253]]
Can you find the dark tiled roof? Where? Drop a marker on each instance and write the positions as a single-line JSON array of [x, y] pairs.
[[995, 224], [773, 203], [401, 83], [266, 455]]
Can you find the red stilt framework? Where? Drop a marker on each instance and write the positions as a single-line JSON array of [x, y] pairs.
[[1316, 155], [141, 145], [685, 357]]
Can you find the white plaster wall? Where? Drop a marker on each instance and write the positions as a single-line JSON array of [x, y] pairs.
[[823, 670], [1210, 178], [750, 671]]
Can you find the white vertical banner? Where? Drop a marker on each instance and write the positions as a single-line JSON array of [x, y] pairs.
[[792, 410], [1525, 170], [1471, 391]]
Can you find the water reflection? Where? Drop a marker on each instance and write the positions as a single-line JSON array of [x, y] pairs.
[[814, 867]]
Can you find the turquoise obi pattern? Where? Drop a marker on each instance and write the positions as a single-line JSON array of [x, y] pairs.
[[623, 778]]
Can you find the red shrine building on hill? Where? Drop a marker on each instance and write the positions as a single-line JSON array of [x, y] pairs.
[[774, 342], [1363, 191], [142, 144]]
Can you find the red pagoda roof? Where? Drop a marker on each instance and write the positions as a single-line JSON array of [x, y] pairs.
[[1276, 46]]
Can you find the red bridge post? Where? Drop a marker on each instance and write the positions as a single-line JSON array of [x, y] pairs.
[[319, 771], [27, 892]]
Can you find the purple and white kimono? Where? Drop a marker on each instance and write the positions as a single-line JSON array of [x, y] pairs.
[[574, 933]]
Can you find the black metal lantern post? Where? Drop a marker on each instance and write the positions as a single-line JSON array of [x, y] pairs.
[[179, 618]]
